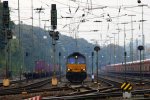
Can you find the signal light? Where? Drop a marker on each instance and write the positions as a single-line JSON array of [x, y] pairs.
[[59, 53], [5, 4], [140, 47], [54, 35], [9, 34], [51, 33], [53, 7], [5, 18], [27, 53], [139, 1], [53, 16]]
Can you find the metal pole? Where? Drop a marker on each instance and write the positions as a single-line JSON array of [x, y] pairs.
[[118, 50], [19, 33], [6, 53], [140, 68], [118, 44], [59, 67], [97, 65], [97, 48], [54, 26], [39, 10], [32, 36], [39, 19], [110, 50], [131, 53], [92, 66], [125, 51], [125, 54], [137, 56], [45, 24], [53, 43], [114, 49], [140, 48], [143, 34], [8, 58], [10, 62], [143, 38], [32, 14]]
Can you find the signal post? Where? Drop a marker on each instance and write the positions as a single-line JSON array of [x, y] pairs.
[[6, 36], [54, 35]]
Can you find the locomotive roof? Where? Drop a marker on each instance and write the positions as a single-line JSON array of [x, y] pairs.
[[76, 54]]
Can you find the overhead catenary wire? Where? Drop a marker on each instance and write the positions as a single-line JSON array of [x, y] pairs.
[[79, 6]]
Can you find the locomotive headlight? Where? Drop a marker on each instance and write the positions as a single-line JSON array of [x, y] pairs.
[[76, 57], [83, 69], [68, 69]]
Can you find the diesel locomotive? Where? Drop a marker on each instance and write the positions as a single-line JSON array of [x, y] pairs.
[[76, 68]]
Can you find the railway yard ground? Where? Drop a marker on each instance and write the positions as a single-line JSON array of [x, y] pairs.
[[107, 88]]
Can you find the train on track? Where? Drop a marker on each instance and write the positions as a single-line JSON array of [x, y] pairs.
[[41, 70], [132, 68], [76, 68]]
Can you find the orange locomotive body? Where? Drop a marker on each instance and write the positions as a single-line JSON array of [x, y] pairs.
[[76, 68]]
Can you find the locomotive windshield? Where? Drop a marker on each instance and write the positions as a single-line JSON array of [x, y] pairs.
[[76, 60]]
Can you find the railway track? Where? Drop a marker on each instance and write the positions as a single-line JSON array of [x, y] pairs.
[[129, 78], [18, 90], [83, 96], [71, 91], [112, 87], [14, 82], [77, 90], [95, 95]]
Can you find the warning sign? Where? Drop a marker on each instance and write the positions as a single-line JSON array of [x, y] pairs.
[[126, 86]]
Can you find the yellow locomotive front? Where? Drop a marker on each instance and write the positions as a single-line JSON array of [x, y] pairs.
[[76, 67]]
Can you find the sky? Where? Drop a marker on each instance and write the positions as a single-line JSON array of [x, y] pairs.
[[93, 20]]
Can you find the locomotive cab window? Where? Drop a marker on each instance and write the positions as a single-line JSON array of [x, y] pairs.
[[71, 60], [80, 60], [76, 60]]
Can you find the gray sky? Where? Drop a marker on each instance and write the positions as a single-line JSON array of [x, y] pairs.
[[89, 11]]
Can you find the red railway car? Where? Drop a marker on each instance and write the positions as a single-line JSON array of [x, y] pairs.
[[42, 69], [132, 68]]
